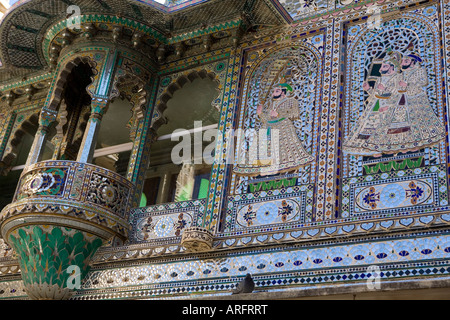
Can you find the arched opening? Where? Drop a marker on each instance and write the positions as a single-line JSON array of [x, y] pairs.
[[113, 148], [15, 159], [63, 139], [114, 141], [182, 156], [76, 107]]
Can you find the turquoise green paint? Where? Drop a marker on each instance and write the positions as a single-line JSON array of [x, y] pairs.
[[271, 185], [208, 30], [107, 74], [12, 85], [143, 202], [45, 257], [195, 62], [209, 213], [203, 190], [136, 168], [393, 166]]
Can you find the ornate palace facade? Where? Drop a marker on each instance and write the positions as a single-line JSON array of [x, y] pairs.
[[156, 150]]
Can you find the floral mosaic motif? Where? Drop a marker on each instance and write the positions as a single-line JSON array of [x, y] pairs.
[[371, 198], [108, 193], [47, 182], [420, 188], [268, 213], [415, 193], [190, 211], [163, 226], [395, 195], [280, 208], [249, 216], [285, 211]]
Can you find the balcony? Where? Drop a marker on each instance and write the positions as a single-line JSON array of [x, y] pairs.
[[72, 191], [62, 212]]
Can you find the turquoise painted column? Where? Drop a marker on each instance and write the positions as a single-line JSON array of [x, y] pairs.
[[46, 119], [144, 137], [5, 134], [101, 97], [86, 152], [7, 120]]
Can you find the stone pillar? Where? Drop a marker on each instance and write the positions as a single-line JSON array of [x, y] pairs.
[[46, 119], [197, 239], [86, 152], [7, 119], [164, 188], [140, 157]]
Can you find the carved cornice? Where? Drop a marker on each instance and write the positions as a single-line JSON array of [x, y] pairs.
[[143, 39], [324, 234], [143, 23]]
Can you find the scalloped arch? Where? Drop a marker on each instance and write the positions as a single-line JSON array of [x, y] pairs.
[[30, 123], [61, 79], [189, 76]]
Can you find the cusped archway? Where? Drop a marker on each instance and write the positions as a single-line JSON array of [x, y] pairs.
[[186, 115]]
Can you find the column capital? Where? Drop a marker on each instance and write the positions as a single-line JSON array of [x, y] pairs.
[[99, 105], [47, 117]]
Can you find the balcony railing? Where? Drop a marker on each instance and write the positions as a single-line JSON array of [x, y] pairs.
[[78, 190]]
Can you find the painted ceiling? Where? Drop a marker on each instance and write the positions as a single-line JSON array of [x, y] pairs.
[[24, 25]]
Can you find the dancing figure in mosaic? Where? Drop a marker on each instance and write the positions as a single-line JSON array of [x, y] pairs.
[[277, 148], [398, 117]]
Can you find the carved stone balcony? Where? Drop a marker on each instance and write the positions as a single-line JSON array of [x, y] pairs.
[[62, 212]]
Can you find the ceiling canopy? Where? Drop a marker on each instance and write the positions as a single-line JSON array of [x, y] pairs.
[[24, 28]]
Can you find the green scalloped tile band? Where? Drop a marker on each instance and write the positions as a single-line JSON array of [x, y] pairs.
[[46, 254]]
